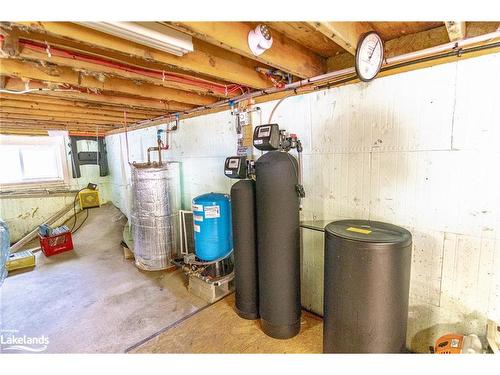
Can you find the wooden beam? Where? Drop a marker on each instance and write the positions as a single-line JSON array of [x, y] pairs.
[[307, 36], [16, 131], [40, 101], [50, 117], [398, 46], [127, 72], [73, 46], [415, 42], [285, 54], [481, 28], [99, 98], [456, 30], [9, 45], [57, 109], [10, 127], [205, 59], [345, 34], [67, 114], [30, 127], [67, 76], [341, 61], [41, 132], [46, 122]]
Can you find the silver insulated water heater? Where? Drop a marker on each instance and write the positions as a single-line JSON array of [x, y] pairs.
[[154, 216]]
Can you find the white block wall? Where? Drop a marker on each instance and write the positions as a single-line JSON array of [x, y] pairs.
[[418, 149]]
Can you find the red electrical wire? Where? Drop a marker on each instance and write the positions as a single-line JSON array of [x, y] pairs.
[[164, 76]]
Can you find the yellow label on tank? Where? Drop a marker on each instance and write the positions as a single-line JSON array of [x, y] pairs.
[[359, 230]]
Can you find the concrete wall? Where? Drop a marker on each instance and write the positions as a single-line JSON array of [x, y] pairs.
[[23, 213], [201, 145], [419, 149]]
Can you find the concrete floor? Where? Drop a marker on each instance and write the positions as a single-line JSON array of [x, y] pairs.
[[92, 300], [201, 333]]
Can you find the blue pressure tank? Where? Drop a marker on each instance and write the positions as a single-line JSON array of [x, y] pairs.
[[213, 237]]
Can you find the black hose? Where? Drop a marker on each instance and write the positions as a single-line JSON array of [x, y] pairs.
[[74, 208], [86, 217]]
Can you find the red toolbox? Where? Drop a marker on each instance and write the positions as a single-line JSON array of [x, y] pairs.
[[56, 244]]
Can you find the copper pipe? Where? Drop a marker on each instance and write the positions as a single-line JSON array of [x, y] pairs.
[[149, 155]]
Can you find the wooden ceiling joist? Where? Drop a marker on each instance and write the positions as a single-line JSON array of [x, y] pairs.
[[38, 119], [456, 30], [14, 130], [72, 46], [57, 108], [205, 59], [23, 107], [306, 35], [41, 101], [54, 126], [47, 125], [67, 76], [99, 98], [44, 121], [42, 129], [96, 69], [285, 54], [55, 117], [397, 46], [345, 34], [395, 29]]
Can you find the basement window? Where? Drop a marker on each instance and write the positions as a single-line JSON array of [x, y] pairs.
[[36, 162]]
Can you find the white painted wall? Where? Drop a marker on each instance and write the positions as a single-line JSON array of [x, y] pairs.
[[418, 149], [22, 214], [201, 145]]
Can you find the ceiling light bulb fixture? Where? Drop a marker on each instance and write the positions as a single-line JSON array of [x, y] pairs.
[[151, 34], [260, 39]]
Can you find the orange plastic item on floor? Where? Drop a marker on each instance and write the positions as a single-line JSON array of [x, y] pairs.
[[458, 344], [449, 344]]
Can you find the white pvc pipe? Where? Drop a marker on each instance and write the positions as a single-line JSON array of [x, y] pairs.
[[442, 48]]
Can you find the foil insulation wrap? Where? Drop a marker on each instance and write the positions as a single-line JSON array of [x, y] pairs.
[[154, 216]]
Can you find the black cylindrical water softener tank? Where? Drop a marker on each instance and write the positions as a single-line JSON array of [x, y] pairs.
[[278, 244], [367, 280], [245, 249]]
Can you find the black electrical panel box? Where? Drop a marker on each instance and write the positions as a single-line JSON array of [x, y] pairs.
[[236, 167], [89, 157], [267, 137]]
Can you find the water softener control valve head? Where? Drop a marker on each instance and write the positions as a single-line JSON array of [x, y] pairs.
[[267, 137], [236, 167]]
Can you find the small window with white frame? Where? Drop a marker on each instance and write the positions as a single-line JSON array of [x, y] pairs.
[[32, 161]]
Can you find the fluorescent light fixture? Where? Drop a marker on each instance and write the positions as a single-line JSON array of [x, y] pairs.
[[151, 34]]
